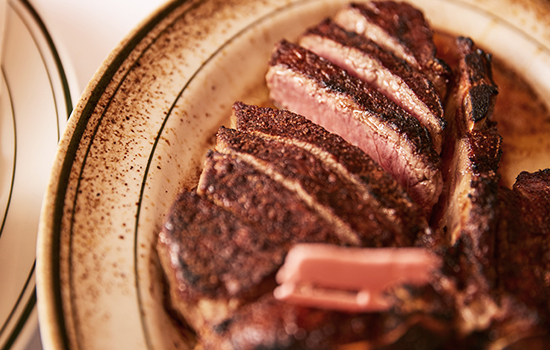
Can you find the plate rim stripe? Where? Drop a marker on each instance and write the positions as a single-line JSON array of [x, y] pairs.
[[14, 153]]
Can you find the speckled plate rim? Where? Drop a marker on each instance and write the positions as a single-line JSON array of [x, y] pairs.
[[51, 313], [50, 310]]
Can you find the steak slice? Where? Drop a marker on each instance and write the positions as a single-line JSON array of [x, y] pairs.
[[255, 197], [401, 29], [306, 84], [388, 201], [364, 59], [208, 256]]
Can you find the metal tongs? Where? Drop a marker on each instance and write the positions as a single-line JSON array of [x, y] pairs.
[[350, 279]]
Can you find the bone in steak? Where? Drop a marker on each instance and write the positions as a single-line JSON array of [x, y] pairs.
[[470, 197], [326, 94], [280, 179], [363, 58], [399, 28], [468, 210]]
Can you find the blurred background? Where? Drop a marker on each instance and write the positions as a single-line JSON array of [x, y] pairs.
[[49, 51]]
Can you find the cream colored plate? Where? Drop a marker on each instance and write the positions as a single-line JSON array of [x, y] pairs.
[[139, 133], [34, 107]]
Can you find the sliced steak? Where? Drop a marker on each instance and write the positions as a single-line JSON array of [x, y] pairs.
[[402, 29], [388, 201], [364, 59], [220, 248], [326, 94], [334, 196]]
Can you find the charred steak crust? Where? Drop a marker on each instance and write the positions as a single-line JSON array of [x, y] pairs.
[[386, 198], [389, 135], [480, 99], [335, 197]]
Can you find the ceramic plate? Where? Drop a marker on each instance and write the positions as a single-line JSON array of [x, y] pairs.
[[34, 107], [139, 133]]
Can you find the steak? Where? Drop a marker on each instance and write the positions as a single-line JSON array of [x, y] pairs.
[[326, 94], [346, 166], [401, 29], [277, 181], [393, 77]]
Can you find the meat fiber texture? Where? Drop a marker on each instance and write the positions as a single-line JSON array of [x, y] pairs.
[[378, 143], [327, 95]]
